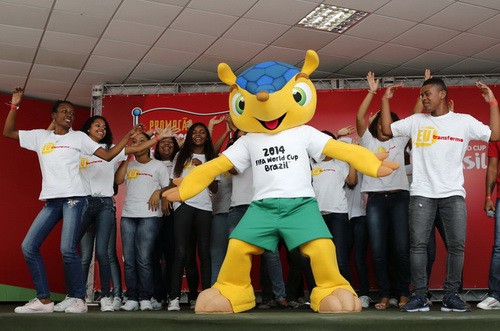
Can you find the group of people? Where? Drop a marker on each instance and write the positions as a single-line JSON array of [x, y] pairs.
[[395, 217]]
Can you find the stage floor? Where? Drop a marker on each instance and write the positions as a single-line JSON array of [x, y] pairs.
[[255, 320]]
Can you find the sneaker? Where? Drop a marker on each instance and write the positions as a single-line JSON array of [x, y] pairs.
[[365, 301], [393, 302], [117, 303], [192, 304], [35, 306], [130, 305], [173, 305], [489, 303], [63, 305], [452, 302], [294, 304], [145, 305], [416, 303], [156, 305], [78, 307], [107, 304]]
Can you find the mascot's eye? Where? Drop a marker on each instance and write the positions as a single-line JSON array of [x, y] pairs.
[[238, 103], [302, 94]]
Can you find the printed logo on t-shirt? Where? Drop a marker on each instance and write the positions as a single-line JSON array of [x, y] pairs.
[[428, 136], [381, 149], [48, 148], [84, 162], [318, 171], [275, 158], [134, 174]]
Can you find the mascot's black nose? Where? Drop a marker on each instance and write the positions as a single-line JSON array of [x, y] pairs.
[[262, 96]]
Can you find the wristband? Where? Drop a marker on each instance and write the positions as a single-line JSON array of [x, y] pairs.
[[372, 92], [157, 138], [12, 107], [493, 103], [488, 197]]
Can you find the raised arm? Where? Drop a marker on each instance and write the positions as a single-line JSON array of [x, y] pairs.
[[385, 112], [9, 127], [419, 107], [491, 179], [361, 123], [489, 97], [220, 141], [121, 172]]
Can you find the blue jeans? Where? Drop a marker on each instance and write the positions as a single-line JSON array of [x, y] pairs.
[[138, 240], [116, 272], [272, 262], [222, 226], [494, 276], [98, 222], [341, 230], [387, 220], [360, 234], [453, 214], [70, 210]]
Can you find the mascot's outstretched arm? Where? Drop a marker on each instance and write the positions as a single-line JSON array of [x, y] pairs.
[[198, 179], [360, 158]]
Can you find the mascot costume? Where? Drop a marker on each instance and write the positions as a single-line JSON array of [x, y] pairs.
[[272, 102]]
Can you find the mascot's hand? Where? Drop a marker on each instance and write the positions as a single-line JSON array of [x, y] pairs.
[[387, 167], [173, 194]]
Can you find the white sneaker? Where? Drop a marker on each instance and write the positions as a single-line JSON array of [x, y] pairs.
[[130, 305], [117, 303], [156, 305], [145, 305], [35, 306], [365, 301], [106, 304], [489, 303], [173, 305], [79, 307], [63, 305]]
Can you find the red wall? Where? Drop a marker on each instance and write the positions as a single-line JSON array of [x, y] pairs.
[[336, 109]]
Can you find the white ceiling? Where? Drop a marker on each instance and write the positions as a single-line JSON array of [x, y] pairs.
[[58, 49]]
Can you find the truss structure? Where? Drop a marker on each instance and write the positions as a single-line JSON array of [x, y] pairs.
[[99, 91]]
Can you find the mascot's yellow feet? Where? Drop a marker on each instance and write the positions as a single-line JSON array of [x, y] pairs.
[[340, 301], [211, 301]]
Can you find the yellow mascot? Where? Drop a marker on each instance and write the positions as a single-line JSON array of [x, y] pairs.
[[273, 101]]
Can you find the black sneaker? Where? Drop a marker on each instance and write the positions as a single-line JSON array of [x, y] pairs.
[[416, 303], [452, 302]]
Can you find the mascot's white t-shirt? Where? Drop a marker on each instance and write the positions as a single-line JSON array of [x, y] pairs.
[[280, 162], [142, 180], [242, 193], [328, 182], [439, 146], [98, 174], [59, 158], [201, 200], [395, 147]]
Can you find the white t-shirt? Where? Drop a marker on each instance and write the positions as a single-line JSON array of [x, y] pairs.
[[242, 193], [59, 158], [98, 174], [439, 145], [328, 182], [222, 199], [202, 200], [142, 180], [355, 199], [280, 162], [395, 147], [170, 166]]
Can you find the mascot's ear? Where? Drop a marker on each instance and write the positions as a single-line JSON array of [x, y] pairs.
[[226, 75], [310, 63]]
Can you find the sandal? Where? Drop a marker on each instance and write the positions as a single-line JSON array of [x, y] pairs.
[[403, 300], [383, 304]]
